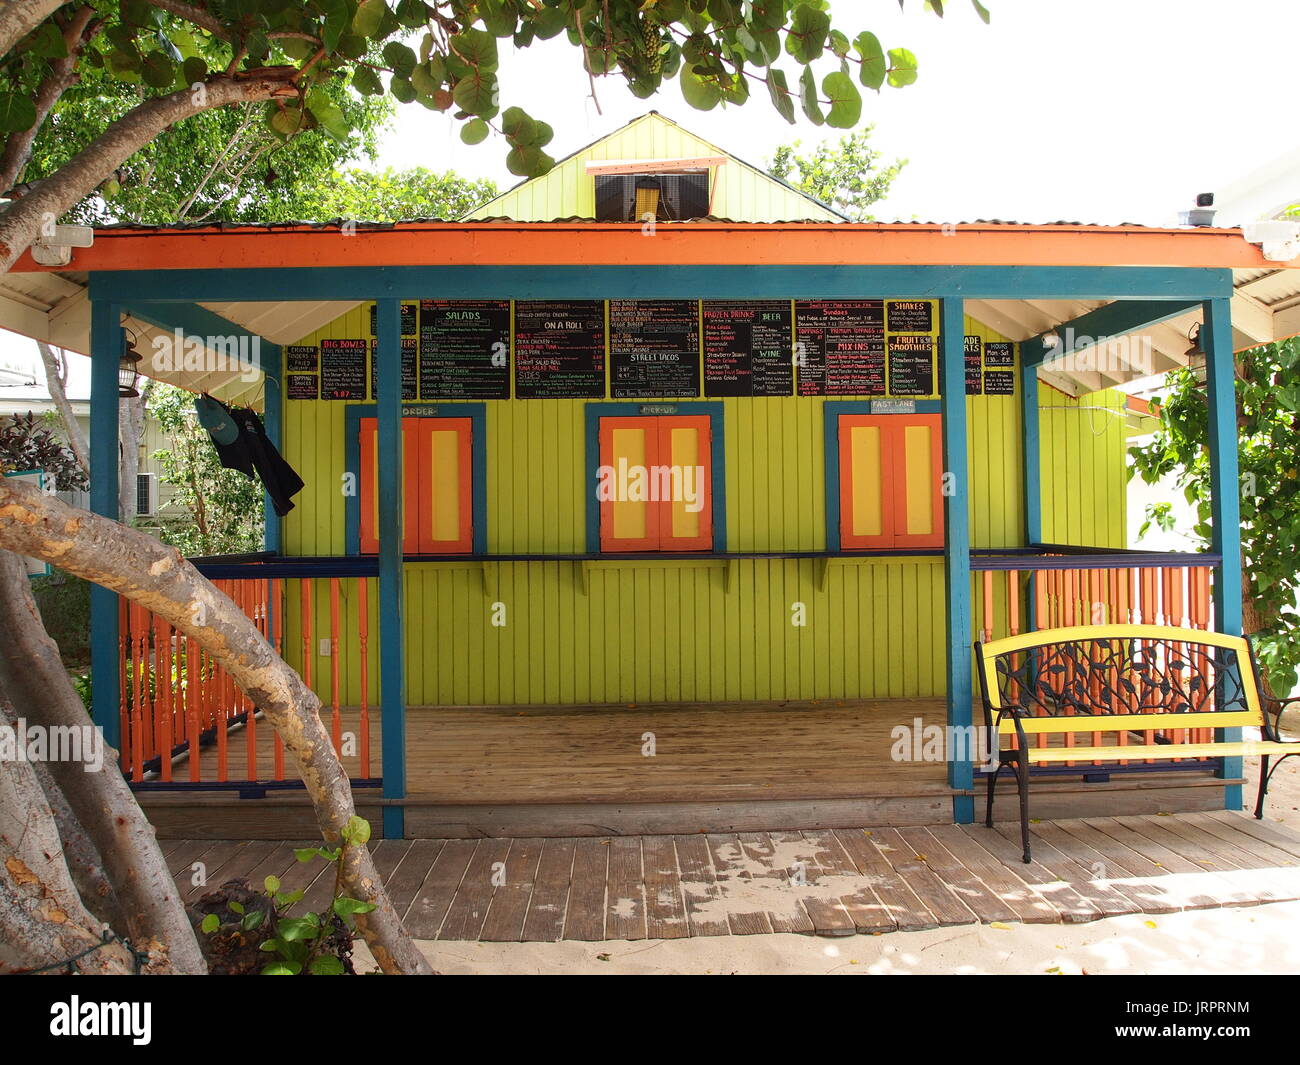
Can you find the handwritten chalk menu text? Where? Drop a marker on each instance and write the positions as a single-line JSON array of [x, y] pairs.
[[999, 382], [302, 386], [464, 349], [409, 362], [840, 347], [343, 369], [560, 349], [654, 349], [408, 320], [301, 358], [974, 351], [909, 316], [911, 365], [1000, 355], [747, 350]]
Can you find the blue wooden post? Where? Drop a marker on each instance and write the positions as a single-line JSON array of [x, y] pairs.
[[1031, 461], [273, 420], [956, 543], [1225, 502], [105, 354], [392, 659]]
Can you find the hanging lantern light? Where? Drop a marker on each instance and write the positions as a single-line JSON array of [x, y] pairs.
[[128, 370]]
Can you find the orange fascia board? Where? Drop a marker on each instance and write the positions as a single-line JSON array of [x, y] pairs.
[[653, 166], [511, 243]]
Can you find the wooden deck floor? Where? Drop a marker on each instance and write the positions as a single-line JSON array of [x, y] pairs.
[[819, 883]]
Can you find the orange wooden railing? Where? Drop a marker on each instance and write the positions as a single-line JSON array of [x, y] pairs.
[[177, 700], [1031, 598]]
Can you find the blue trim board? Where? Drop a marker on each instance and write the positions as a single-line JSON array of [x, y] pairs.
[[1032, 471], [1113, 320], [1225, 502], [392, 637], [956, 537], [831, 411], [685, 407], [106, 341], [475, 412], [722, 281], [273, 420]]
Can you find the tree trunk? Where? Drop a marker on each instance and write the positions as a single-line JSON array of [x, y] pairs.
[[56, 368], [49, 200], [32, 674], [137, 566], [130, 424]]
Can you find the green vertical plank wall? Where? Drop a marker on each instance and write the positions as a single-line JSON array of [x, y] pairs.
[[675, 629]]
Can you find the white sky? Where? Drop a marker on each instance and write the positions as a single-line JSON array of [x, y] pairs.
[[1097, 111]]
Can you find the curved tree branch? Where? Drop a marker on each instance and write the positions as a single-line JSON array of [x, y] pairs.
[[137, 566], [21, 223], [19, 17]]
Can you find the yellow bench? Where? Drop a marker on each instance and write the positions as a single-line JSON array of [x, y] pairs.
[[1043, 690]]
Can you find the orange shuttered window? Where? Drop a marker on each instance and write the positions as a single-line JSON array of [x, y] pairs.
[[438, 513], [890, 481], [655, 484]]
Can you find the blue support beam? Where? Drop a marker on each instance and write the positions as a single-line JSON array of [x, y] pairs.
[[392, 635], [1225, 488], [105, 353], [956, 543], [667, 282], [1117, 319], [273, 420], [1031, 461]]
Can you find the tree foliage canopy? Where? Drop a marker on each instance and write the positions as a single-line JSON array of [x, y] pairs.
[[847, 175], [318, 66], [1268, 440]]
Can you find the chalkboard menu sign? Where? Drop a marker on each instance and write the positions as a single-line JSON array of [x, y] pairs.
[[408, 320], [560, 349], [654, 349], [302, 386], [747, 349], [974, 363], [409, 360], [840, 347], [911, 365], [464, 349], [1000, 354], [301, 358], [909, 316], [343, 369], [999, 382]]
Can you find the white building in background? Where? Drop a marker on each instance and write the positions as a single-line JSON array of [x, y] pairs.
[[23, 388]]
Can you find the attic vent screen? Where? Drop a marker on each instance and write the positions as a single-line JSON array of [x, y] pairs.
[[670, 197]]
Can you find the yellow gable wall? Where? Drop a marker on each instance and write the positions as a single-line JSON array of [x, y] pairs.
[[739, 193], [632, 631]]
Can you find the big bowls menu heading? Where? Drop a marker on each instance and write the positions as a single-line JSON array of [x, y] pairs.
[[654, 349]]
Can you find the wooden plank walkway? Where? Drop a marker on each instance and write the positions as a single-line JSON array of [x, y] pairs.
[[826, 882]]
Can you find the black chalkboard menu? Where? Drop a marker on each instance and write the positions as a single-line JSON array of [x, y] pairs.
[[560, 349], [343, 369], [464, 349], [302, 386], [974, 350], [909, 316], [999, 382], [1000, 354], [911, 365], [654, 349], [408, 320], [840, 347], [301, 358], [409, 361], [747, 348]]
